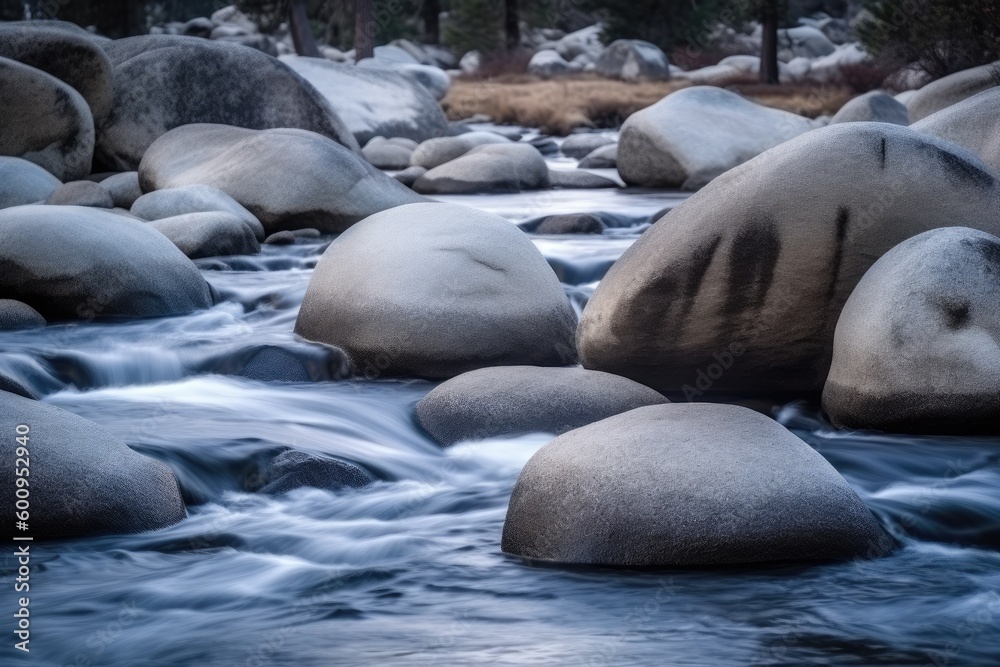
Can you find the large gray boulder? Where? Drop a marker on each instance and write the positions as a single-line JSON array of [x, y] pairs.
[[24, 182], [288, 179], [15, 315], [506, 167], [765, 256], [435, 152], [434, 79], [72, 262], [632, 60], [803, 42], [81, 193], [693, 135], [875, 107], [73, 58], [84, 481], [45, 121], [952, 89], [166, 81], [186, 199], [123, 188], [547, 63], [208, 234], [686, 484], [917, 345], [514, 400], [973, 123], [435, 290], [373, 102]]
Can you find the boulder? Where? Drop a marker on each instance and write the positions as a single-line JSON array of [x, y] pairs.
[[45, 121], [81, 193], [435, 152], [632, 60], [713, 75], [388, 153], [469, 63], [73, 58], [605, 157], [283, 237], [74, 262], [434, 79], [739, 287], [686, 484], [163, 81], [952, 89], [973, 123], [373, 102], [293, 470], [567, 223], [583, 42], [693, 135], [208, 234], [547, 63], [184, 199], [514, 400], [435, 290], [917, 345], [578, 146], [198, 27], [18, 315], [873, 107], [24, 182], [123, 188], [84, 481], [830, 68], [410, 175], [509, 167], [287, 178], [578, 179], [803, 42]]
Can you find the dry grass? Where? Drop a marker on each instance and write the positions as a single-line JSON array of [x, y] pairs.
[[558, 106]]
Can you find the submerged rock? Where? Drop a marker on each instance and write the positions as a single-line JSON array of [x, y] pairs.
[[84, 481], [45, 121], [164, 81], [434, 290], [24, 182], [73, 262], [765, 256], [287, 178], [693, 135], [686, 484], [567, 223], [514, 400], [373, 102], [293, 470], [917, 346]]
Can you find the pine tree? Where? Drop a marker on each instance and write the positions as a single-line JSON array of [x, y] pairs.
[[475, 25]]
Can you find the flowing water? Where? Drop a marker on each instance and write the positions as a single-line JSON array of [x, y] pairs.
[[409, 571]]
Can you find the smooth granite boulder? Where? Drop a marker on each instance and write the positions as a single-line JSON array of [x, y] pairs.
[[917, 345], [123, 188], [514, 400], [435, 290], [373, 102], [391, 153], [578, 179], [15, 315], [81, 193], [435, 152], [506, 167], [74, 262], [166, 81], [952, 89], [973, 123], [686, 484], [74, 58], [578, 146], [566, 223], [185, 199], [45, 121], [84, 481], [605, 157], [288, 179], [872, 107], [765, 257], [24, 182], [693, 135], [632, 60], [208, 234]]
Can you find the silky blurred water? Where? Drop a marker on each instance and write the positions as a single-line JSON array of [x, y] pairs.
[[409, 571]]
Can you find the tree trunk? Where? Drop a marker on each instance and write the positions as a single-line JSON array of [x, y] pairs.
[[432, 21], [512, 25], [769, 46], [364, 30], [298, 24]]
